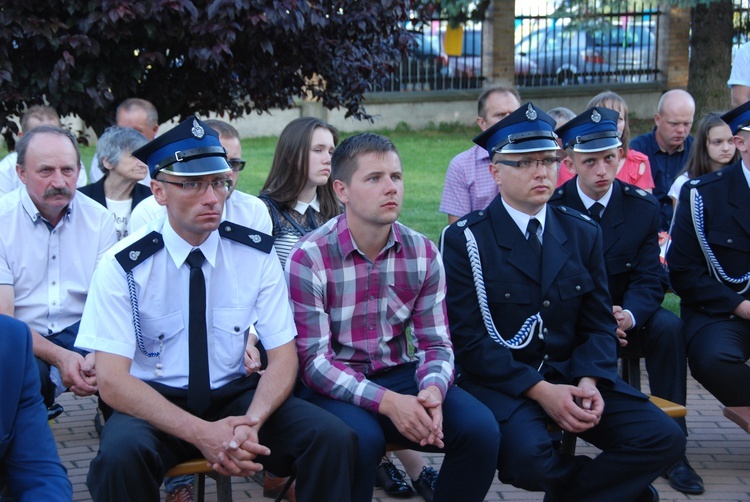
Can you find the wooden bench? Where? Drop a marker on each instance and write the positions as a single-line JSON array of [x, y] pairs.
[[739, 415], [673, 410], [200, 469]]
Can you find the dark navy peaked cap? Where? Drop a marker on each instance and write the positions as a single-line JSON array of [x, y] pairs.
[[190, 149], [527, 129], [594, 130], [739, 118]]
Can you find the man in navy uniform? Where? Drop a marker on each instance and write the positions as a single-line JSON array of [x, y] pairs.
[[629, 219], [531, 320], [169, 313], [709, 266]]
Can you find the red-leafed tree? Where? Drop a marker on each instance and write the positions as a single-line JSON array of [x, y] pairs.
[[199, 56]]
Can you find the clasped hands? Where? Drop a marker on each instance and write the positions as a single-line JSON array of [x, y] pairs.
[[418, 418], [574, 408], [231, 445]]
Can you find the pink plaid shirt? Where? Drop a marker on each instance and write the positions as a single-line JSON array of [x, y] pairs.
[[353, 315], [468, 183]]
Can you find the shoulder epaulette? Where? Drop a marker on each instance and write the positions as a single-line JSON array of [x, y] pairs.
[[139, 251], [247, 236], [638, 193], [559, 192], [706, 178], [468, 220], [572, 212]]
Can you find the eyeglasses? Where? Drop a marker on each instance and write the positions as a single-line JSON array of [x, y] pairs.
[[200, 187], [236, 164], [548, 162]]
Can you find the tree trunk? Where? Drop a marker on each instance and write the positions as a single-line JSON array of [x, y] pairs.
[[710, 56]]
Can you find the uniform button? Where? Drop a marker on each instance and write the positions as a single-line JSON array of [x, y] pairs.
[[546, 357], [731, 316], [155, 240], [53, 283], [507, 296], [236, 329], [628, 265], [54, 256], [729, 241], [545, 331], [227, 228], [578, 288], [545, 303]]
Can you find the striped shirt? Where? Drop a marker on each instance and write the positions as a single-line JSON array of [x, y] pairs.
[[352, 314]]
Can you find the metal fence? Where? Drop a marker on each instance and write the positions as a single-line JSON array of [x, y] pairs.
[[579, 44]]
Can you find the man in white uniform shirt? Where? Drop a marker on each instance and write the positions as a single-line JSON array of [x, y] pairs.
[[169, 314], [52, 240]]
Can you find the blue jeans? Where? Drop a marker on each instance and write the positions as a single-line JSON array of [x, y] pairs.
[[471, 439]]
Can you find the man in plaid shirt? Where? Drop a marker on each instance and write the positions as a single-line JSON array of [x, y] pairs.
[[365, 290]]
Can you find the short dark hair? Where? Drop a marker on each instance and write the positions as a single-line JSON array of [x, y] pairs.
[[23, 144], [344, 161], [500, 89]]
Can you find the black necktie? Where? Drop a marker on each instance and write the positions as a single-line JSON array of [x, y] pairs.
[[533, 238], [199, 383], [595, 211]]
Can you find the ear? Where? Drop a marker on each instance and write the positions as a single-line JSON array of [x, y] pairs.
[[739, 142], [159, 193], [481, 123], [567, 163], [107, 164], [495, 173], [341, 190], [21, 172]]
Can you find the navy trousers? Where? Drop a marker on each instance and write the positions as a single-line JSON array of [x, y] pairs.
[[638, 442], [471, 439], [134, 456]]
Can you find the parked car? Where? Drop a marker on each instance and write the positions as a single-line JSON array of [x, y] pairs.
[[612, 53], [466, 69]]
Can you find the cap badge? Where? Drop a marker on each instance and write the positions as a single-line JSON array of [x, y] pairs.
[[197, 130], [531, 113], [133, 255], [255, 238], [595, 116]]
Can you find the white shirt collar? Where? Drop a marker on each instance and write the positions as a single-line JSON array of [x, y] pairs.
[[33, 212], [522, 219], [301, 207], [588, 201], [746, 172], [179, 248]]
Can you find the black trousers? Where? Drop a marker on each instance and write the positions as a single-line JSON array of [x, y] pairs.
[[319, 448]]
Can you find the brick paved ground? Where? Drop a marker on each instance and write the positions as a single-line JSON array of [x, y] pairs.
[[717, 448]]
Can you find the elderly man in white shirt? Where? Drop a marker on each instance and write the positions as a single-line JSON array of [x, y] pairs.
[[52, 240]]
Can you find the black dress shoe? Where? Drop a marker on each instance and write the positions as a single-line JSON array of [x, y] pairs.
[[648, 495], [683, 478], [425, 483], [392, 480]]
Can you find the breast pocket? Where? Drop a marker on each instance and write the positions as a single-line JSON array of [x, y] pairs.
[[230, 329], [575, 285], [160, 335], [401, 301]]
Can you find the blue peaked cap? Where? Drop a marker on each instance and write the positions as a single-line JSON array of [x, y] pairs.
[[594, 130], [527, 129], [739, 118], [190, 149]]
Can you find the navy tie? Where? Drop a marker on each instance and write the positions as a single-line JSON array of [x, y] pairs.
[[596, 211], [533, 238], [199, 383]]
